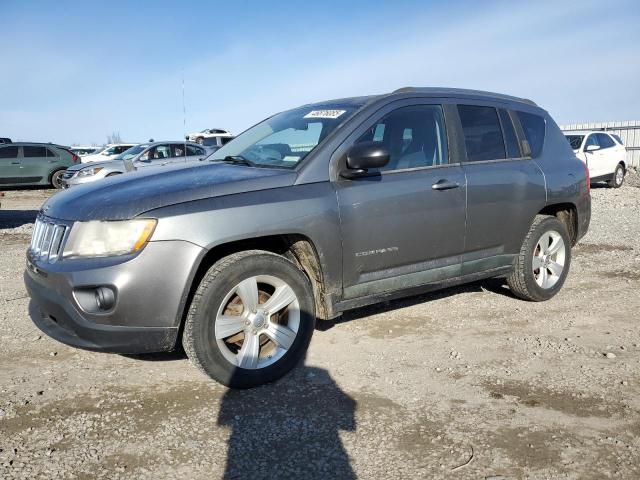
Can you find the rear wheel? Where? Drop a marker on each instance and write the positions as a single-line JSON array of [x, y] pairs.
[[56, 179], [618, 177], [543, 263], [251, 319]]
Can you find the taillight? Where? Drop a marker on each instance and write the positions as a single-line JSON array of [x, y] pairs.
[[587, 175], [74, 158]]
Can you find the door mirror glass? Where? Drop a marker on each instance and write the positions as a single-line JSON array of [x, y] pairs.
[[363, 156]]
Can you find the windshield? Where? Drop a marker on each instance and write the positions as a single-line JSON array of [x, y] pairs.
[[575, 141], [283, 140], [131, 152]]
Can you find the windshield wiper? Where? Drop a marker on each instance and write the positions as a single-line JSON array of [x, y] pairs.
[[238, 160]]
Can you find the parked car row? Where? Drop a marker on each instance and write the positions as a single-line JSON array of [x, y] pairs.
[[603, 153], [23, 163]]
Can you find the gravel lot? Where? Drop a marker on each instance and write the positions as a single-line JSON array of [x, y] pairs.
[[464, 383]]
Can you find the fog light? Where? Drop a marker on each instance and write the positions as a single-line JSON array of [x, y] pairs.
[[105, 298]]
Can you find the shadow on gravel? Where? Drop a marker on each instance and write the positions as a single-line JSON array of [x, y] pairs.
[[289, 429], [17, 218]]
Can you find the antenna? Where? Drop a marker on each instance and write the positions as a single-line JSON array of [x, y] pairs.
[[184, 118]]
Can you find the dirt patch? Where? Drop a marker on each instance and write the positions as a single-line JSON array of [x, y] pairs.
[[622, 274], [601, 247]]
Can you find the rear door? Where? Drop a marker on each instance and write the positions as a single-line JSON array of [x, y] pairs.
[[9, 164], [505, 188], [35, 164], [403, 225], [610, 154]]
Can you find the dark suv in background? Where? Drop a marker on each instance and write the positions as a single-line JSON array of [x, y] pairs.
[[314, 211]]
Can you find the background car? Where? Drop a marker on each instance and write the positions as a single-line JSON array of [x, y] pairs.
[[603, 153], [5, 140], [34, 164], [110, 152], [84, 151], [145, 155], [219, 136]]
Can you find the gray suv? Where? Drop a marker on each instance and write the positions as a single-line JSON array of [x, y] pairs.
[[314, 211]]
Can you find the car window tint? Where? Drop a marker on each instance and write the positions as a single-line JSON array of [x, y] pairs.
[[534, 131], [575, 141], [179, 150], [9, 152], [414, 137], [605, 140], [51, 153], [226, 140], [482, 133], [191, 150], [161, 152], [31, 152], [510, 138], [591, 140]]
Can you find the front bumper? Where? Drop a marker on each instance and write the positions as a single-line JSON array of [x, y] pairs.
[[151, 290]]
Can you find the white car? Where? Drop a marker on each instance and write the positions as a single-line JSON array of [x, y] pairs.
[[110, 152], [220, 137], [604, 154], [84, 151]]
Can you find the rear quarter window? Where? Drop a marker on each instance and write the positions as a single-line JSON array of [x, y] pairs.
[[534, 127]]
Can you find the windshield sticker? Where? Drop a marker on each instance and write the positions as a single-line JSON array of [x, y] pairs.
[[324, 113], [290, 158]]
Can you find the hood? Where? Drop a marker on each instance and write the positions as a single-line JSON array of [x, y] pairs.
[[126, 196], [105, 163]]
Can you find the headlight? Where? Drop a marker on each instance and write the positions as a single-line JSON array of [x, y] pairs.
[[99, 239], [87, 172]]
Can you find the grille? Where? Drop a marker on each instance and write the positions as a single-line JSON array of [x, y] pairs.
[[68, 174], [48, 240]]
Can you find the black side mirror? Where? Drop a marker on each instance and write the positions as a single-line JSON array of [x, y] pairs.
[[363, 156]]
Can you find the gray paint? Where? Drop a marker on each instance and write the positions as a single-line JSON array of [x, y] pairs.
[[376, 237]]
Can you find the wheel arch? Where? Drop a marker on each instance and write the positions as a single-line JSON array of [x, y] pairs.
[[297, 248], [567, 213]]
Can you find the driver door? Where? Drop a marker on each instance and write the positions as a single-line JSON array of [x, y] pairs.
[[400, 229]]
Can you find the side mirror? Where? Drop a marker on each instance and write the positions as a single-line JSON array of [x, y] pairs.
[[591, 148], [363, 156]]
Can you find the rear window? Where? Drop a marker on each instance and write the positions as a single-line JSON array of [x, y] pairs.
[[534, 130], [31, 152], [9, 152], [618, 139], [482, 133], [51, 153], [605, 141], [510, 138]]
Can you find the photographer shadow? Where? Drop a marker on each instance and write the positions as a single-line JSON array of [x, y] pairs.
[[289, 429]]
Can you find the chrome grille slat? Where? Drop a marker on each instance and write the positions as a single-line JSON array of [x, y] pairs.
[[48, 240]]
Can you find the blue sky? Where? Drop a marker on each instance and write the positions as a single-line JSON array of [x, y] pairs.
[[73, 72]]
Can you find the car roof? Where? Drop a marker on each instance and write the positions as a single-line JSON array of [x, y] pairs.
[[152, 144], [427, 92], [38, 144], [583, 132]]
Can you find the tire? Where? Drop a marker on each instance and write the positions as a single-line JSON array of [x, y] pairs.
[[219, 325], [542, 283], [56, 179], [618, 177], [200, 141]]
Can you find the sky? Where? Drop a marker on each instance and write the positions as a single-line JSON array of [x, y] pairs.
[[75, 72]]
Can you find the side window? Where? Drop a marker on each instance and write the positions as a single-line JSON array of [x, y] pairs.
[[618, 139], [591, 140], [414, 137], [605, 140], [482, 133], [51, 153], [162, 152], [34, 152], [9, 152], [178, 150], [510, 138], [226, 140], [534, 130], [191, 150]]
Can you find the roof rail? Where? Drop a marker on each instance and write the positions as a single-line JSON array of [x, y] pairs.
[[438, 90]]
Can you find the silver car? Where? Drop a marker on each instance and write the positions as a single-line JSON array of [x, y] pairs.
[[145, 155]]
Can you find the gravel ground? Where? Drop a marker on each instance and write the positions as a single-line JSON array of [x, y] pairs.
[[464, 383]]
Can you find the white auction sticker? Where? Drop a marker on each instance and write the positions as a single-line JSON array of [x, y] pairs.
[[324, 113]]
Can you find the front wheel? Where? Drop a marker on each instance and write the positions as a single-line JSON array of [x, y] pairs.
[[618, 177], [250, 320], [56, 179], [543, 263]]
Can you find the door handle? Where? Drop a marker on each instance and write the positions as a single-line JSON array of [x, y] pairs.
[[444, 185]]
